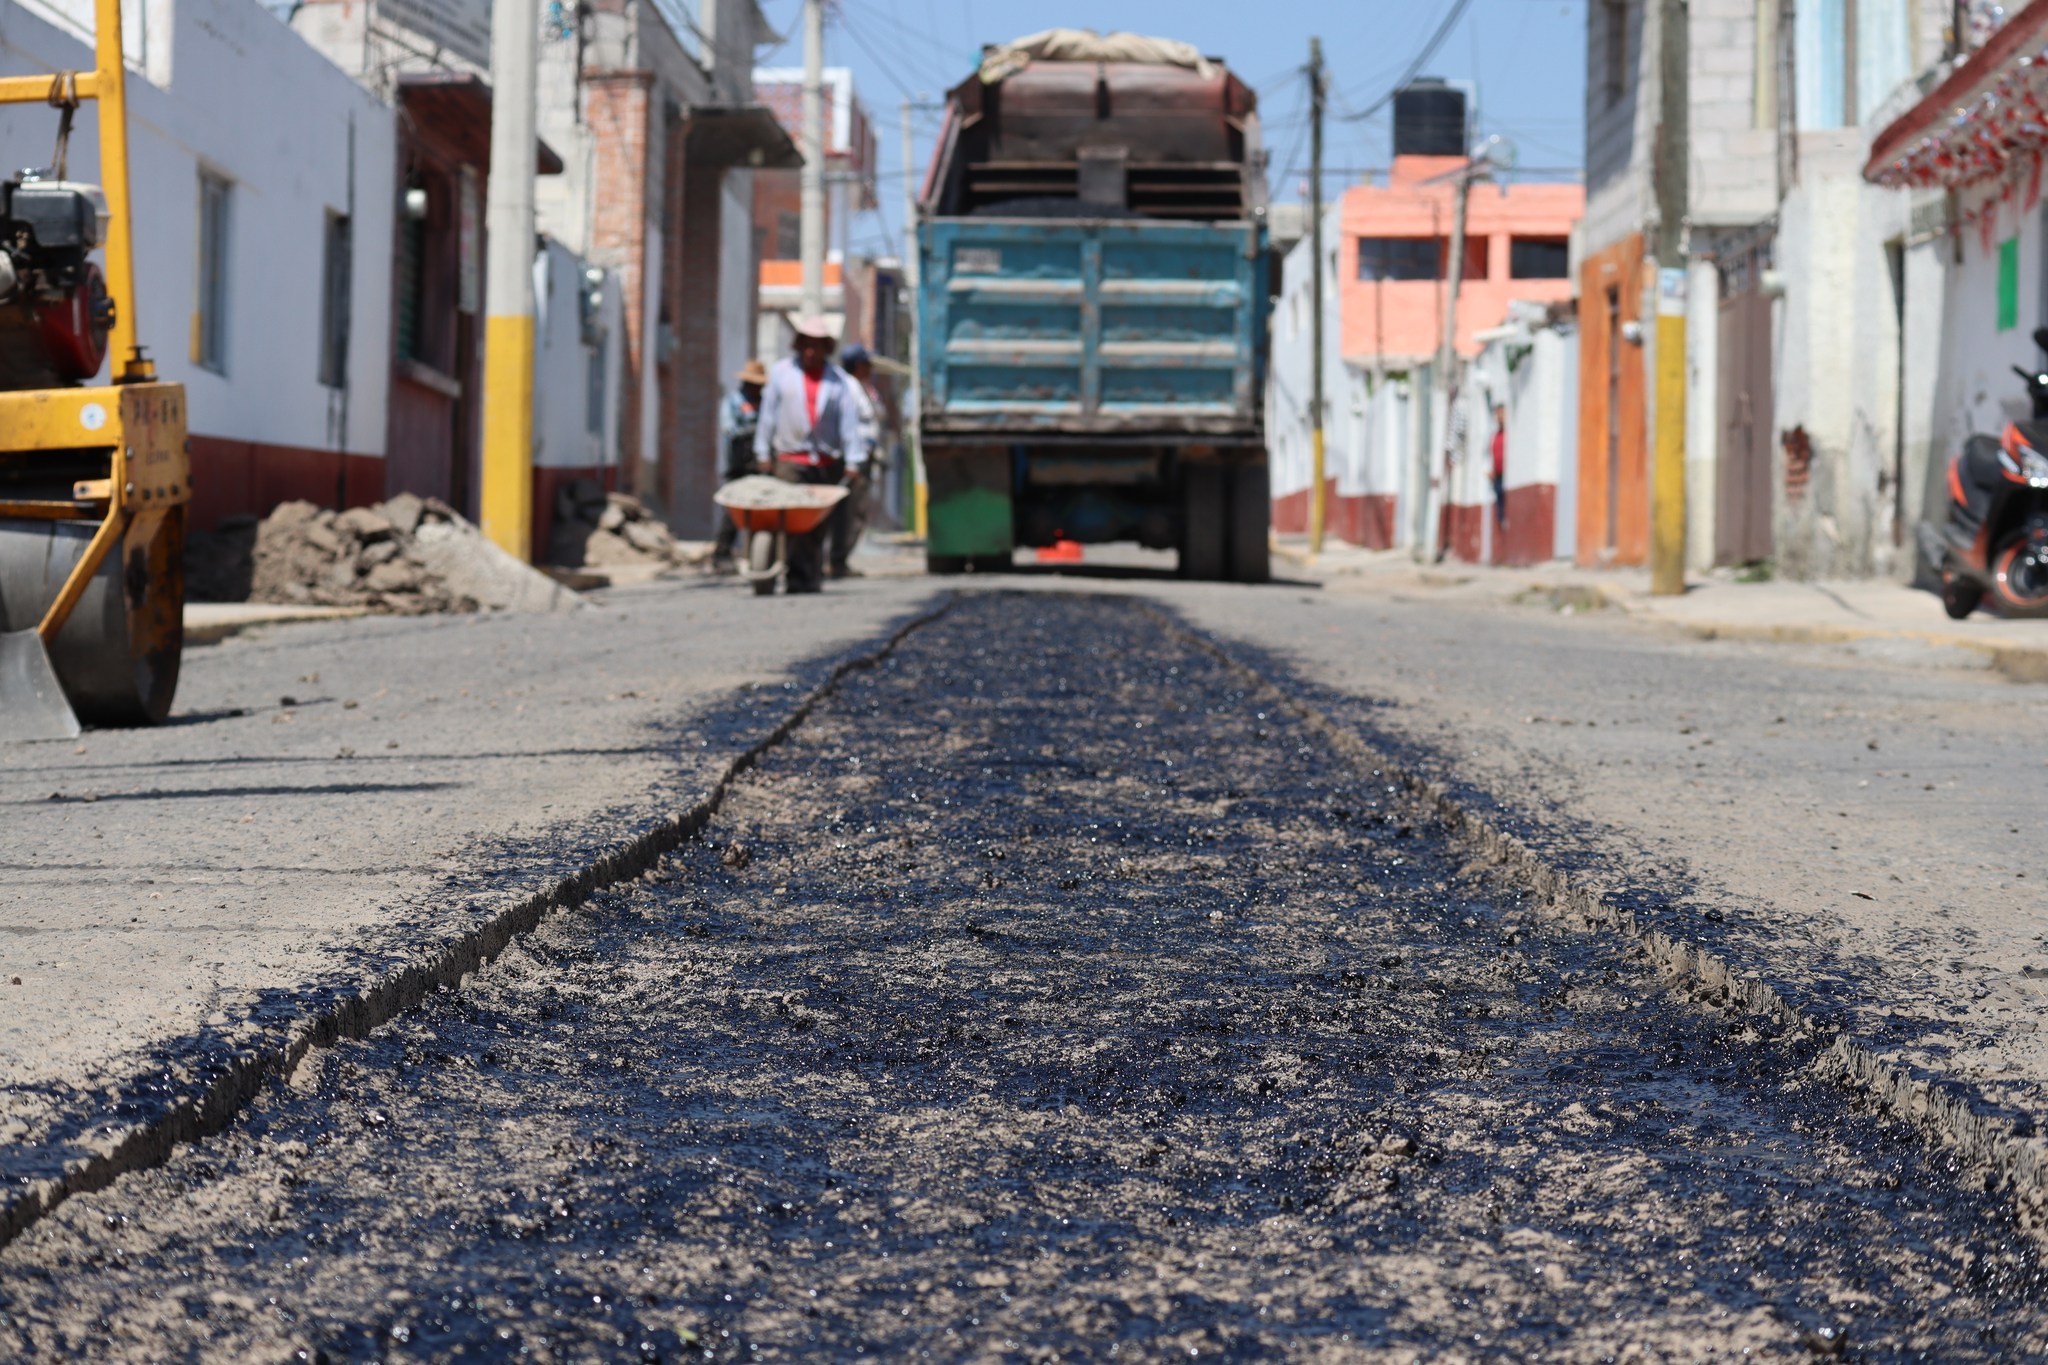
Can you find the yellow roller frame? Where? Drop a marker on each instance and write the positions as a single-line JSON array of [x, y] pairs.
[[140, 420]]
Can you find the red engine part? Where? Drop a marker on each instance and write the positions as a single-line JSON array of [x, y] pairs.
[[73, 330]]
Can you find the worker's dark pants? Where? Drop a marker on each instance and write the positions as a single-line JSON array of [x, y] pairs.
[[807, 552], [739, 462], [849, 519]]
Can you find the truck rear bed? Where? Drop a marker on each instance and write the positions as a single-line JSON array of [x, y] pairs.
[[1115, 328]]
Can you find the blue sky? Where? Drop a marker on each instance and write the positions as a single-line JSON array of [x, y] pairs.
[[1526, 56]]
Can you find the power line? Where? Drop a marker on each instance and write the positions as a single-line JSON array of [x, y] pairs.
[[1429, 48]]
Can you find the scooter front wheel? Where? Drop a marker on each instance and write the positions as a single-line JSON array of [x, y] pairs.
[[2019, 576], [1959, 598]]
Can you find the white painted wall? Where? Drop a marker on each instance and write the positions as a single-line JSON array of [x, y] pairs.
[[562, 435], [1536, 375], [1837, 369], [249, 101]]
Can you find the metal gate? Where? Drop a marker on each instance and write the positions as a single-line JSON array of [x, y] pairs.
[[1742, 520]]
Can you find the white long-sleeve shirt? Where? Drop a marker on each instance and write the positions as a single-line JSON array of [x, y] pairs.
[[786, 427]]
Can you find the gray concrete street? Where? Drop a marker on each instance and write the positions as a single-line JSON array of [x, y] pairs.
[[339, 802]]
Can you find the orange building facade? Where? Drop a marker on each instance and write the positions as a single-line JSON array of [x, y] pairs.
[[1395, 248], [1390, 254]]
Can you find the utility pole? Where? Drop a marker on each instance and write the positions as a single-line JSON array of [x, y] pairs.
[[1667, 480], [1318, 508], [913, 275], [1446, 360], [812, 248], [506, 499]]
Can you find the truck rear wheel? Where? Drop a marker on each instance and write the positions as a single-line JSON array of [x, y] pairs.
[[945, 564], [1204, 530], [1251, 521]]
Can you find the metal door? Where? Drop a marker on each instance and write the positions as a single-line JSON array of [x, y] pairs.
[[1742, 520]]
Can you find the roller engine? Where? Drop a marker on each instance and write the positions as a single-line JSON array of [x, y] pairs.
[[55, 313]]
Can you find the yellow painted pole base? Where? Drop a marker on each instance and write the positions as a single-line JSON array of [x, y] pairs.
[[507, 494], [1318, 510], [1667, 483]]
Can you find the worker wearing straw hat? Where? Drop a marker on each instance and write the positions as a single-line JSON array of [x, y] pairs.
[[739, 417], [810, 433]]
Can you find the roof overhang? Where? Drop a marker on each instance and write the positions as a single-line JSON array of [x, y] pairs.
[[1983, 116], [454, 107], [744, 135]]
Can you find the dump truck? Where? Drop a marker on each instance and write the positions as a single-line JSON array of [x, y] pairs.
[[1092, 307]]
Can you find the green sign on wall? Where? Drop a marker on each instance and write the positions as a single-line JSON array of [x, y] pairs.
[[2008, 284]]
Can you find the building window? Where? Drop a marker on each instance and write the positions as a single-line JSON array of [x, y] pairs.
[[593, 390], [337, 274], [1539, 258], [210, 319], [412, 273], [789, 236], [1399, 258], [1617, 50]]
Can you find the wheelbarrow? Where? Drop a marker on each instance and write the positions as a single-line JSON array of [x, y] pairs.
[[770, 511]]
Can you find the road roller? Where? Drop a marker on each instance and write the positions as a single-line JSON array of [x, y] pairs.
[[95, 474]]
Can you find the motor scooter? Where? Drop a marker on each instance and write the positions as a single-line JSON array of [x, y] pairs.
[[1995, 541]]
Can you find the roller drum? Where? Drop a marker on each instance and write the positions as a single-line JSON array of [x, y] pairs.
[[117, 656]]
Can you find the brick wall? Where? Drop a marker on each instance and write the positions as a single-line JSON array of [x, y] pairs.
[[617, 107]]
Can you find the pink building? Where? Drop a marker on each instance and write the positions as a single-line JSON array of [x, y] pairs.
[[1395, 247], [1390, 255]]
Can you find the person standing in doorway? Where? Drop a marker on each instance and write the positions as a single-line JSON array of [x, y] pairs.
[[1500, 466], [851, 517], [738, 419], [810, 433]]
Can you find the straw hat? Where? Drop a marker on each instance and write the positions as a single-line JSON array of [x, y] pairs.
[[753, 372], [813, 325]]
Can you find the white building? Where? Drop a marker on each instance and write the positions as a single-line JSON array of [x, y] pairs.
[[263, 186], [1804, 446]]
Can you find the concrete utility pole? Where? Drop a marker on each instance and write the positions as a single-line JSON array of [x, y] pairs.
[[1667, 479], [1318, 509], [1446, 359], [506, 500], [913, 274], [812, 248]]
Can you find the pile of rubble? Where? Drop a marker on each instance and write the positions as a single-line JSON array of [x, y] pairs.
[[409, 556], [601, 530]]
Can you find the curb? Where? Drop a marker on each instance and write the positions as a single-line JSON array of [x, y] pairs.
[[2005, 1152], [211, 627], [237, 1081], [2018, 663]]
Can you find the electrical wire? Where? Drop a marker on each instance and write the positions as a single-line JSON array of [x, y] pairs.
[[1421, 58]]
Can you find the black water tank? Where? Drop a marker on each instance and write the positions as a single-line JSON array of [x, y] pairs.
[[1429, 119]]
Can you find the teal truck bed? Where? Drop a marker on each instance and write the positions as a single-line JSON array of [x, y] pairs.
[[1092, 327]]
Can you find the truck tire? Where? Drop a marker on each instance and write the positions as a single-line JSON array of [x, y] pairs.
[[945, 564], [1251, 522], [1204, 528], [990, 563]]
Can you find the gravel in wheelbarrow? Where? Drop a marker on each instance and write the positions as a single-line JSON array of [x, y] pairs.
[[760, 503]]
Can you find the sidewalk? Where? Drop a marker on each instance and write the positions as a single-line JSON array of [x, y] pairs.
[[1713, 606]]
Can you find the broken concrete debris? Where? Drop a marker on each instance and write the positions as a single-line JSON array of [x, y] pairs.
[[598, 529], [408, 555]]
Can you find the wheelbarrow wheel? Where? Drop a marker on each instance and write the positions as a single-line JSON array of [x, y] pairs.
[[761, 561]]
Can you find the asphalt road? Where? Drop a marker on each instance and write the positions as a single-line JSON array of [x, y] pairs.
[[1050, 993]]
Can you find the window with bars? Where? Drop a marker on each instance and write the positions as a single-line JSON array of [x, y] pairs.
[[1399, 258], [1539, 258], [336, 278], [210, 314]]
